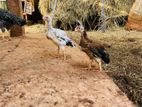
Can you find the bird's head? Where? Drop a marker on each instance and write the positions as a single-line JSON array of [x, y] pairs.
[[79, 28], [47, 18]]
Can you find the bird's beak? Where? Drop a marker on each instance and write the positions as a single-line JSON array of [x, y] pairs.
[[45, 18], [76, 29]]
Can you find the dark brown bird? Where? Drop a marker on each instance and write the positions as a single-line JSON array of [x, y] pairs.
[[93, 49]]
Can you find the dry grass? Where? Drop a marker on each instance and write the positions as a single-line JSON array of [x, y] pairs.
[[68, 11]]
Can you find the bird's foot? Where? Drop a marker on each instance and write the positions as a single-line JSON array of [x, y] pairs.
[[64, 57], [92, 69], [87, 69], [99, 70], [6, 38], [9, 38], [59, 56], [2, 37]]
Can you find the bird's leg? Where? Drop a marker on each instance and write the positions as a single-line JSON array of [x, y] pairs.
[[58, 52], [90, 64], [3, 36], [64, 54], [99, 63], [9, 37], [3, 30], [61, 52]]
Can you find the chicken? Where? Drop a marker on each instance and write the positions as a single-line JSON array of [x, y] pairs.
[[8, 19], [93, 49], [58, 36]]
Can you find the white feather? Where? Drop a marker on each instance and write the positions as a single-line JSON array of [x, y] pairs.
[[57, 35]]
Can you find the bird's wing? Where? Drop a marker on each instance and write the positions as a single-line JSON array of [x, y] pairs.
[[64, 36], [88, 52], [53, 36], [61, 34], [101, 53]]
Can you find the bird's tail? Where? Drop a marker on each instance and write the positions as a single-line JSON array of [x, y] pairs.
[[14, 18], [70, 43], [101, 53], [19, 21]]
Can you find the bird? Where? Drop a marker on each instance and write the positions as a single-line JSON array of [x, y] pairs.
[[58, 36], [94, 50], [8, 19]]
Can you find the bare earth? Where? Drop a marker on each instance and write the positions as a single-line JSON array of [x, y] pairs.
[[32, 76]]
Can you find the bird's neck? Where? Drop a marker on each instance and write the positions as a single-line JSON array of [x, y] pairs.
[[84, 34], [49, 25], [82, 37]]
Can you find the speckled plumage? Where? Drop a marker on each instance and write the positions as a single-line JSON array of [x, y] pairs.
[[93, 49]]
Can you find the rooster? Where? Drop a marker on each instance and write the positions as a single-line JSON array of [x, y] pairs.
[[8, 19], [93, 49], [58, 36]]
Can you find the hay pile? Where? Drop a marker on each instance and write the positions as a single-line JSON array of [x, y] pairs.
[[68, 11]]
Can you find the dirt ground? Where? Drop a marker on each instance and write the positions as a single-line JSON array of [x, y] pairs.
[[31, 75]]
